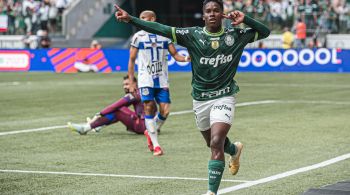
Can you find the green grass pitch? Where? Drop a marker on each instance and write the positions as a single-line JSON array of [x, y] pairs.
[[309, 124]]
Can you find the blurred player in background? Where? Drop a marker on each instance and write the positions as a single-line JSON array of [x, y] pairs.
[[119, 111], [84, 63], [215, 54], [152, 51], [95, 45], [300, 28], [287, 38]]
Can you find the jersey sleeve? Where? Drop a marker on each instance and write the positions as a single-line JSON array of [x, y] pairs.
[[169, 41], [125, 101], [257, 29], [182, 36], [135, 41], [248, 35], [151, 27], [130, 98]]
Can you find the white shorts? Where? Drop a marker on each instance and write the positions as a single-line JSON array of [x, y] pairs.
[[213, 111]]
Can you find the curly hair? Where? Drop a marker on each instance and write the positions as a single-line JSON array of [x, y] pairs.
[[219, 2]]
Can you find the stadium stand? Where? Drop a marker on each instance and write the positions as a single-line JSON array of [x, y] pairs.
[[29, 16], [322, 17], [69, 21]]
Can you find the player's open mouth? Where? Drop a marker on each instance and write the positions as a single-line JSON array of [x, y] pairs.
[[212, 20]]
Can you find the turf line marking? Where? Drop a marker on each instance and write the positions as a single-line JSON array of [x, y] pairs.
[[256, 103], [32, 130], [10, 83], [237, 105], [294, 85], [115, 175], [312, 102], [191, 111], [174, 113], [285, 174]]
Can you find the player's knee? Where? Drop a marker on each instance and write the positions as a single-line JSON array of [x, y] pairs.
[[164, 109], [149, 107], [165, 113], [216, 147], [216, 143]]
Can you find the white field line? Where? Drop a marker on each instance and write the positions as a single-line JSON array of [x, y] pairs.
[[285, 174], [274, 102], [245, 184], [14, 83], [237, 105], [190, 111], [32, 130], [293, 85], [65, 126], [311, 102], [115, 175]]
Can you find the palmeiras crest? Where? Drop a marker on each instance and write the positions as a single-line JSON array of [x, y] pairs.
[[229, 40]]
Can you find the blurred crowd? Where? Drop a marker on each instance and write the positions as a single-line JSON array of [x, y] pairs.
[[331, 16], [303, 20], [30, 16]]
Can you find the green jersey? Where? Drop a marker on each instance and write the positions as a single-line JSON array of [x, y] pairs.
[[214, 56]]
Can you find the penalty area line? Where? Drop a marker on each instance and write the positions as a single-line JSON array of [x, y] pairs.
[[114, 175], [285, 174]]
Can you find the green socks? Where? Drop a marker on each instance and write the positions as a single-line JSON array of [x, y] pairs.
[[216, 167], [229, 148], [215, 171]]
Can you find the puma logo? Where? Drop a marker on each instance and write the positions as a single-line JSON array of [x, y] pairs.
[[200, 40]]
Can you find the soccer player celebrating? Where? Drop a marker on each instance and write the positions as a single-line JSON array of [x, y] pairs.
[[119, 111], [152, 51], [215, 53]]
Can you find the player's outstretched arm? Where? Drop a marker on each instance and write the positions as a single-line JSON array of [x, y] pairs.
[[121, 15], [180, 58], [239, 17], [152, 27], [261, 28]]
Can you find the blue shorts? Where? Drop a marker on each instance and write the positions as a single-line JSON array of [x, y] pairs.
[[161, 95]]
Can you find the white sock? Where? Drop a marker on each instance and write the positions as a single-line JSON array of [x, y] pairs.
[[87, 127], [159, 122], [150, 125]]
